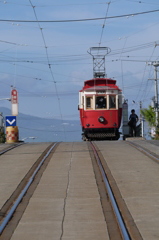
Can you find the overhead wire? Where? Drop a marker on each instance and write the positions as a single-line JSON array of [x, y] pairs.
[[49, 5], [146, 91], [140, 2], [122, 78], [133, 48], [49, 65], [122, 65], [141, 84], [70, 4], [67, 59], [24, 44], [104, 23], [64, 75], [122, 51], [114, 52], [80, 20]]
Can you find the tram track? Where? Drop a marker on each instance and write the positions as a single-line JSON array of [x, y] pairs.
[[10, 147], [127, 229], [24, 191], [112, 202], [145, 151]]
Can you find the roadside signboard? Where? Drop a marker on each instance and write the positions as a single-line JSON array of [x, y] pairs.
[[10, 121]]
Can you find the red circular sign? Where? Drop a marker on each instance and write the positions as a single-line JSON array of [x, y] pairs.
[[14, 96]]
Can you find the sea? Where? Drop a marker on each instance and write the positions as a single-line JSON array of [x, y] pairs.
[[35, 129]]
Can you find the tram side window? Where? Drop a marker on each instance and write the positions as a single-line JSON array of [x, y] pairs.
[[101, 102], [89, 102], [112, 101]]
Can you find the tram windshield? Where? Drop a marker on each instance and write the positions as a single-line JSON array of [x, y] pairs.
[[89, 102], [101, 102], [112, 101]]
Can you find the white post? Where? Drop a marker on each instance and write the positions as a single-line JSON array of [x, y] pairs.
[[142, 127]]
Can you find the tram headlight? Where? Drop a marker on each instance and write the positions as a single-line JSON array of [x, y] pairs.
[[101, 119]]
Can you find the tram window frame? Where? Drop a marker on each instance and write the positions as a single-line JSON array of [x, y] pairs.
[[110, 102], [83, 101], [90, 103], [97, 102]]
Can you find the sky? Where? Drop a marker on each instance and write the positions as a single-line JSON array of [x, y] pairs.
[[47, 62]]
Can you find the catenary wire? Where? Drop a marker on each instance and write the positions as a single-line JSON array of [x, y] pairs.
[[49, 5], [104, 23], [49, 65], [113, 52], [122, 65], [80, 20], [140, 86], [145, 91]]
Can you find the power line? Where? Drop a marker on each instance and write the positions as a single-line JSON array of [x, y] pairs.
[[104, 23], [134, 48], [78, 20], [145, 91], [141, 84], [151, 3], [49, 65], [71, 4], [49, 5], [122, 65]]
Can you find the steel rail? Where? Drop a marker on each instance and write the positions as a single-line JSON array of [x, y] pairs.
[[148, 153], [120, 220], [10, 148], [18, 200]]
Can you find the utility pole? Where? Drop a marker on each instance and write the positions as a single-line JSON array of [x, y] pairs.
[[140, 119], [155, 64]]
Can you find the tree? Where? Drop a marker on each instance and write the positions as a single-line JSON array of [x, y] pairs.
[[150, 117]]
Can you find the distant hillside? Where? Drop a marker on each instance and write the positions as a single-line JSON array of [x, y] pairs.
[[49, 130], [45, 130]]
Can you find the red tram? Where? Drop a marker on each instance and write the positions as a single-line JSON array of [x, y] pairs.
[[100, 106]]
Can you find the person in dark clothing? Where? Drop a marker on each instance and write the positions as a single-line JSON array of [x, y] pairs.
[[133, 119]]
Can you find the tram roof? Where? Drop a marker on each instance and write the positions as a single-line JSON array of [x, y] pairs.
[[100, 83]]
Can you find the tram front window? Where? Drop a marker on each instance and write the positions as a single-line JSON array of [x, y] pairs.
[[112, 101], [100, 102], [89, 102]]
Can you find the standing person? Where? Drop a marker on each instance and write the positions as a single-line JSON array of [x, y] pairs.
[[133, 119]]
